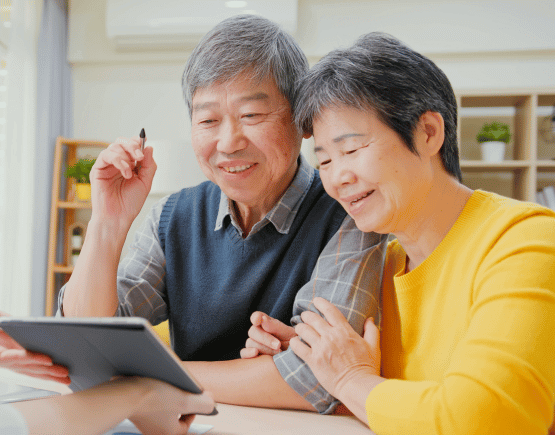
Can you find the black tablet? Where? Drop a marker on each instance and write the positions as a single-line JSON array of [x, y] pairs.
[[96, 349]]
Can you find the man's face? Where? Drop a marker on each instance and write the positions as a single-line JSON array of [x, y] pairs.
[[245, 141]]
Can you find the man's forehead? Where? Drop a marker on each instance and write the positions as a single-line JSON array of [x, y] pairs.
[[211, 97], [244, 86]]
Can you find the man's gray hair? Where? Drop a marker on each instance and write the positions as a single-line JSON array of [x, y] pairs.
[[245, 44]]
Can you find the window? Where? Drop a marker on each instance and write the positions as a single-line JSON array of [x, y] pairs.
[[5, 25]]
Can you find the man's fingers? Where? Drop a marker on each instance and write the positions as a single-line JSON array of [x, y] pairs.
[[264, 350], [263, 338], [249, 352], [277, 328], [256, 318]]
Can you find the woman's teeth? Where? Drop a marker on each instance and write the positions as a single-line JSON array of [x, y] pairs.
[[362, 197]]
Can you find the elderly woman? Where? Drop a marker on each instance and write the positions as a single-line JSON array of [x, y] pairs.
[[468, 294]]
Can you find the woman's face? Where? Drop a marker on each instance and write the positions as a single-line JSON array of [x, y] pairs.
[[366, 166]]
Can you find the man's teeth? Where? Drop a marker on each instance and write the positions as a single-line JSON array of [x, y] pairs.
[[237, 168], [362, 197]]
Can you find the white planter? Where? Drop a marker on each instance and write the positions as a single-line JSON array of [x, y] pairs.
[[493, 152], [76, 242]]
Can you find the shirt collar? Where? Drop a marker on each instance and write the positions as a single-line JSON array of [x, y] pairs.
[[283, 213]]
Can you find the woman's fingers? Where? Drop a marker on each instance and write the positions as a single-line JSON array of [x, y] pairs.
[[300, 349], [329, 311]]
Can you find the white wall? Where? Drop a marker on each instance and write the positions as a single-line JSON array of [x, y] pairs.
[[479, 44]]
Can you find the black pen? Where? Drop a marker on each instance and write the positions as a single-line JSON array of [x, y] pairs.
[[142, 136]]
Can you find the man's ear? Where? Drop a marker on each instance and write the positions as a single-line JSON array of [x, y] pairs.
[[431, 133], [306, 135]]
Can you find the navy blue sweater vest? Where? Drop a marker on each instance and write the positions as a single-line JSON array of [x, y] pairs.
[[216, 279]]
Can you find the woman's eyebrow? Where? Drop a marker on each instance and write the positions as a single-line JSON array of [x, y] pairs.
[[346, 136]]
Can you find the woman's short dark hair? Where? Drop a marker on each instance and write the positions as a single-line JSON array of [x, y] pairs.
[[245, 43], [381, 74]]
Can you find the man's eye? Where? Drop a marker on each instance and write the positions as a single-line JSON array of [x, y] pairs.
[[324, 162], [251, 115]]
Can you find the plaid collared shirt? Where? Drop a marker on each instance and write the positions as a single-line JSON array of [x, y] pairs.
[[347, 273]]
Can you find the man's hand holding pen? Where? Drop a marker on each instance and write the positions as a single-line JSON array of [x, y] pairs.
[[121, 179]]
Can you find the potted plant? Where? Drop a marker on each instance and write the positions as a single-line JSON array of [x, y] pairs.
[[80, 172], [493, 137]]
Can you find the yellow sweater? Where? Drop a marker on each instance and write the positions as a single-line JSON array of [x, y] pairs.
[[468, 337]]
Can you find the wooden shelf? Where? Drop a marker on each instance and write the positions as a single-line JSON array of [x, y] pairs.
[[60, 268], [74, 204], [507, 165], [66, 153], [517, 176]]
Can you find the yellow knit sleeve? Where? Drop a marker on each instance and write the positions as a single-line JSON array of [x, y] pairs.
[[501, 377]]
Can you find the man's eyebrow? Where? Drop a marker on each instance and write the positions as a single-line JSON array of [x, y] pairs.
[[256, 96], [346, 136], [205, 105]]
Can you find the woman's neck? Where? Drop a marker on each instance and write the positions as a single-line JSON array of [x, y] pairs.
[[443, 206]]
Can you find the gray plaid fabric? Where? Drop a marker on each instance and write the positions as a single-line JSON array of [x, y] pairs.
[[348, 273]]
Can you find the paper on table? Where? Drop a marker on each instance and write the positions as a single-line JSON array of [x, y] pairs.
[[16, 393]]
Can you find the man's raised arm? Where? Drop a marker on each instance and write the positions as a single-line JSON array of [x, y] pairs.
[[119, 190]]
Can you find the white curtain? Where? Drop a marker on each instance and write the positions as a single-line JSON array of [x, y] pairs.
[[19, 161], [54, 118]]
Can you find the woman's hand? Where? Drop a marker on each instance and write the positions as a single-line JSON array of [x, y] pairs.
[[119, 183], [341, 360], [267, 336], [16, 358]]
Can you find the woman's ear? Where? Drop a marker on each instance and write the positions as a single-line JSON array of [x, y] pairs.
[[431, 132]]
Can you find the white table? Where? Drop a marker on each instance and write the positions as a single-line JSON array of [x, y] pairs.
[[237, 420]]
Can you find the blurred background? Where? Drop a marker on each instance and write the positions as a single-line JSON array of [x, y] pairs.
[[97, 70]]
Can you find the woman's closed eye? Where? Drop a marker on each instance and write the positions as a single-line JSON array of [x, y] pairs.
[[355, 149]]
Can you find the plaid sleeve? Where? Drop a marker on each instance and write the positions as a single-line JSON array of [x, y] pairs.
[[348, 273], [141, 274]]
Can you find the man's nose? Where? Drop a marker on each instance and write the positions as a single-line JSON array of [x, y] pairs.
[[231, 137]]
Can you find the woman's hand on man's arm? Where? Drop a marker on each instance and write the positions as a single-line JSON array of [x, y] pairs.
[[346, 364]]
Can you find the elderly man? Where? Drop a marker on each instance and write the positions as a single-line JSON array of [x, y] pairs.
[[247, 240]]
